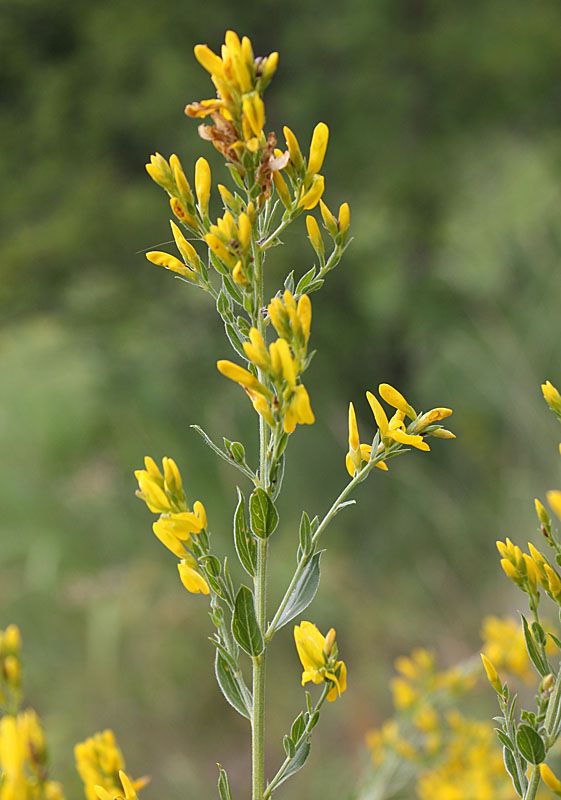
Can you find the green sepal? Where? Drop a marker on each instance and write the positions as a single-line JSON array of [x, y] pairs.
[[223, 785], [263, 515], [229, 686], [530, 744], [246, 546], [245, 628], [304, 591]]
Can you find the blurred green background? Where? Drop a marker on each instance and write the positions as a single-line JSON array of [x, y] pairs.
[[445, 121]]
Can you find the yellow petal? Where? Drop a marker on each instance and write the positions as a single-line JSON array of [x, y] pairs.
[[318, 147], [396, 399], [191, 578], [408, 438], [379, 414]]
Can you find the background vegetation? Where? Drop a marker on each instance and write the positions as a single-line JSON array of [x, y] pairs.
[[444, 123]]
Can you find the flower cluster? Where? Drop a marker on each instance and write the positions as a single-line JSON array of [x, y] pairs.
[[394, 430], [163, 494], [10, 666], [528, 570], [318, 655], [100, 764], [23, 760], [504, 646], [282, 363]]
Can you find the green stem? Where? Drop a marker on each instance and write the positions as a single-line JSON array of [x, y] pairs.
[[321, 527], [260, 580], [532, 789]]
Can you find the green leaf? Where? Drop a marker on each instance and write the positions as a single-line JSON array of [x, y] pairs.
[[539, 634], [296, 762], [227, 458], [305, 534], [305, 280], [534, 654], [289, 747], [223, 785], [245, 628], [504, 739], [555, 639], [510, 766], [228, 683], [246, 547], [304, 591], [530, 744], [234, 339], [298, 727], [263, 515]]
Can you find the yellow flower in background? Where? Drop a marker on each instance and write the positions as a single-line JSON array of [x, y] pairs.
[[504, 645], [316, 653], [99, 762], [126, 783]]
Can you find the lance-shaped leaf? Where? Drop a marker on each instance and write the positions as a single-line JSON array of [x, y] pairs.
[[510, 766], [229, 685], [263, 515], [304, 591], [245, 628], [246, 546], [223, 785], [539, 662], [294, 764]]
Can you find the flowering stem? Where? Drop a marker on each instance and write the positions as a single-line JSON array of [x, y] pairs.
[[260, 580], [306, 732], [358, 478]]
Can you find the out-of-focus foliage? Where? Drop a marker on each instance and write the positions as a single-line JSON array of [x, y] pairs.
[[445, 140]]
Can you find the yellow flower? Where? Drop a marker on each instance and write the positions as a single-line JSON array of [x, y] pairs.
[[552, 396], [554, 500], [172, 263], [318, 147], [202, 183], [127, 785], [99, 762], [358, 453], [394, 430], [550, 779], [319, 659], [299, 410], [492, 674], [191, 577], [311, 198], [293, 148], [314, 234]]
